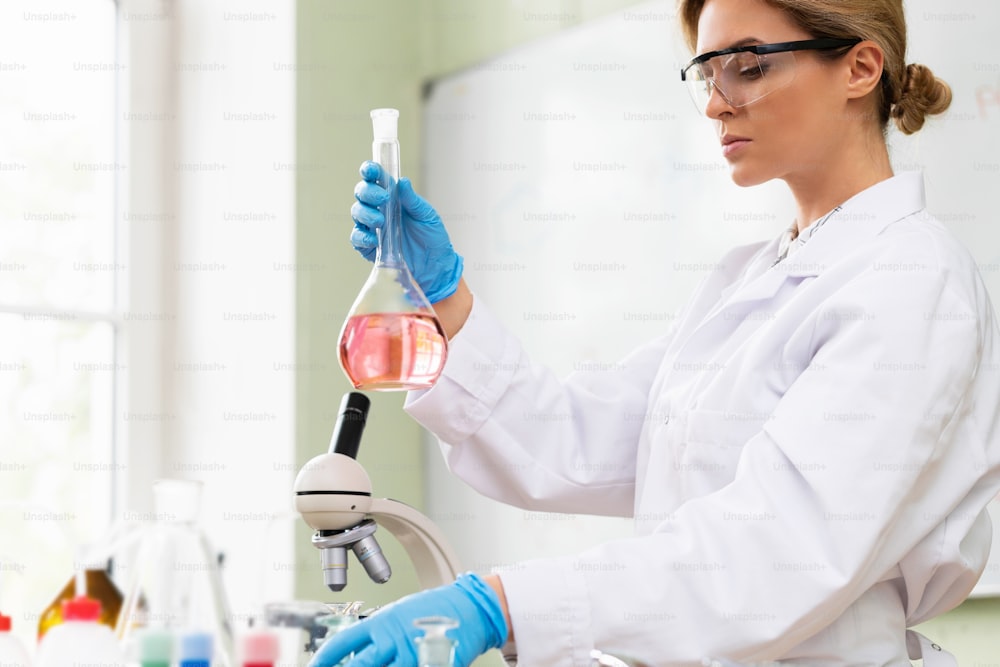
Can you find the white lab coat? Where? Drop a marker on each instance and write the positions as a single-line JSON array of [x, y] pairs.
[[807, 455]]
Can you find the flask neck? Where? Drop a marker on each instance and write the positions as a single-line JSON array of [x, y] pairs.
[[390, 249]]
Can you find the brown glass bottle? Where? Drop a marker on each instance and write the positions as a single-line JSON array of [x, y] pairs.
[[99, 587]]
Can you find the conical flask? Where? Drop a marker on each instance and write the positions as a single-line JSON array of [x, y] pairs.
[[175, 584], [391, 339]]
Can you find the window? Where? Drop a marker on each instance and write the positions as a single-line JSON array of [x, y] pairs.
[[59, 272]]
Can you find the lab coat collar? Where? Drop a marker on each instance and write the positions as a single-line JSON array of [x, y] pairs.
[[859, 220]]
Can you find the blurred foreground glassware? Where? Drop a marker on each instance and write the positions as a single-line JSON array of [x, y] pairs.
[[392, 339], [342, 616], [80, 639], [12, 652], [174, 581], [301, 622], [435, 648], [99, 586], [260, 648]]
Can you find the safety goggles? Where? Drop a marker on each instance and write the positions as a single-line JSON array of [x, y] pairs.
[[746, 74]]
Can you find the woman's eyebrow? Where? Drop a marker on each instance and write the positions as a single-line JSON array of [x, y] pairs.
[[746, 41]]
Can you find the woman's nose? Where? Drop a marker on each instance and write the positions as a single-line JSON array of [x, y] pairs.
[[717, 103]]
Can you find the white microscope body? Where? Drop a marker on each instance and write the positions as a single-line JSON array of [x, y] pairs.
[[333, 493]]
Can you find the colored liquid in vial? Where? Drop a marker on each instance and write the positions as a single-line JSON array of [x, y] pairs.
[[385, 351]]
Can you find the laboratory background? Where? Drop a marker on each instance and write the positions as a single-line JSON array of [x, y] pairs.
[[176, 181]]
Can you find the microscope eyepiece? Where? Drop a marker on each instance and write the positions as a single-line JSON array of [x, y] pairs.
[[350, 424]]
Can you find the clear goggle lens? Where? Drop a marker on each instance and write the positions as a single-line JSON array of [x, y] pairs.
[[740, 78]]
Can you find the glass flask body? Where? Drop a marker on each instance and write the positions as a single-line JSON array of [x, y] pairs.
[[175, 583], [391, 339]]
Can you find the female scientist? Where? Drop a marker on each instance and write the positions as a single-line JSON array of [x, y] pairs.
[[821, 433]]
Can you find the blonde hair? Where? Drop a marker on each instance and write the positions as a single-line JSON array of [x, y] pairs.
[[908, 94]]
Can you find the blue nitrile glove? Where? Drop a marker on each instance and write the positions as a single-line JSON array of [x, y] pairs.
[[388, 636], [427, 249]]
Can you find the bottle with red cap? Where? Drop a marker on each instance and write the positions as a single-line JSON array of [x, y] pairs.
[[80, 639], [11, 649], [99, 586]]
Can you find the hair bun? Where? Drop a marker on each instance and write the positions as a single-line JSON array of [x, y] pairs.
[[923, 95]]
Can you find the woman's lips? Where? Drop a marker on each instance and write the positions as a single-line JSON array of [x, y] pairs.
[[730, 146]]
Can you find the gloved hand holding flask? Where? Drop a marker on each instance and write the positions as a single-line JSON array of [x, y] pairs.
[[427, 249]]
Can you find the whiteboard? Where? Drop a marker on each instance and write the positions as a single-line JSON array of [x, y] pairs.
[[589, 198]]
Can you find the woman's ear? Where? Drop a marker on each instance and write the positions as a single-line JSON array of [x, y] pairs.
[[866, 61]]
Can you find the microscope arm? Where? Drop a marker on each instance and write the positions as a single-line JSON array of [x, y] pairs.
[[432, 556]]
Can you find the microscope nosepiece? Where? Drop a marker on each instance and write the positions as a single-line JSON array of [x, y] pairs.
[[334, 561]]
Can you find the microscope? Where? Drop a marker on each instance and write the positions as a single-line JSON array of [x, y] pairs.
[[333, 493], [334, 496]]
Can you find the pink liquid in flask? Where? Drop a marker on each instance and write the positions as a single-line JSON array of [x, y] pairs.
[[385, 351]]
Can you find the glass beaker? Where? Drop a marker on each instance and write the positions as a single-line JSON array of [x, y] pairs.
[[175, 583], [342, 615], [299, 624], [391, 339]]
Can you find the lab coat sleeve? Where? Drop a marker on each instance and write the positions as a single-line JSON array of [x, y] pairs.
[[517, 433], [856, 466]]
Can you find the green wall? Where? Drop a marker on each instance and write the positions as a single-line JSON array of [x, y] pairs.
[[350, 59], [353, 57], [971, 632]]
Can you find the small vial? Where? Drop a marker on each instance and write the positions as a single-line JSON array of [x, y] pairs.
[[435, 648], [156, 648], [196, 650], [260, 648]]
